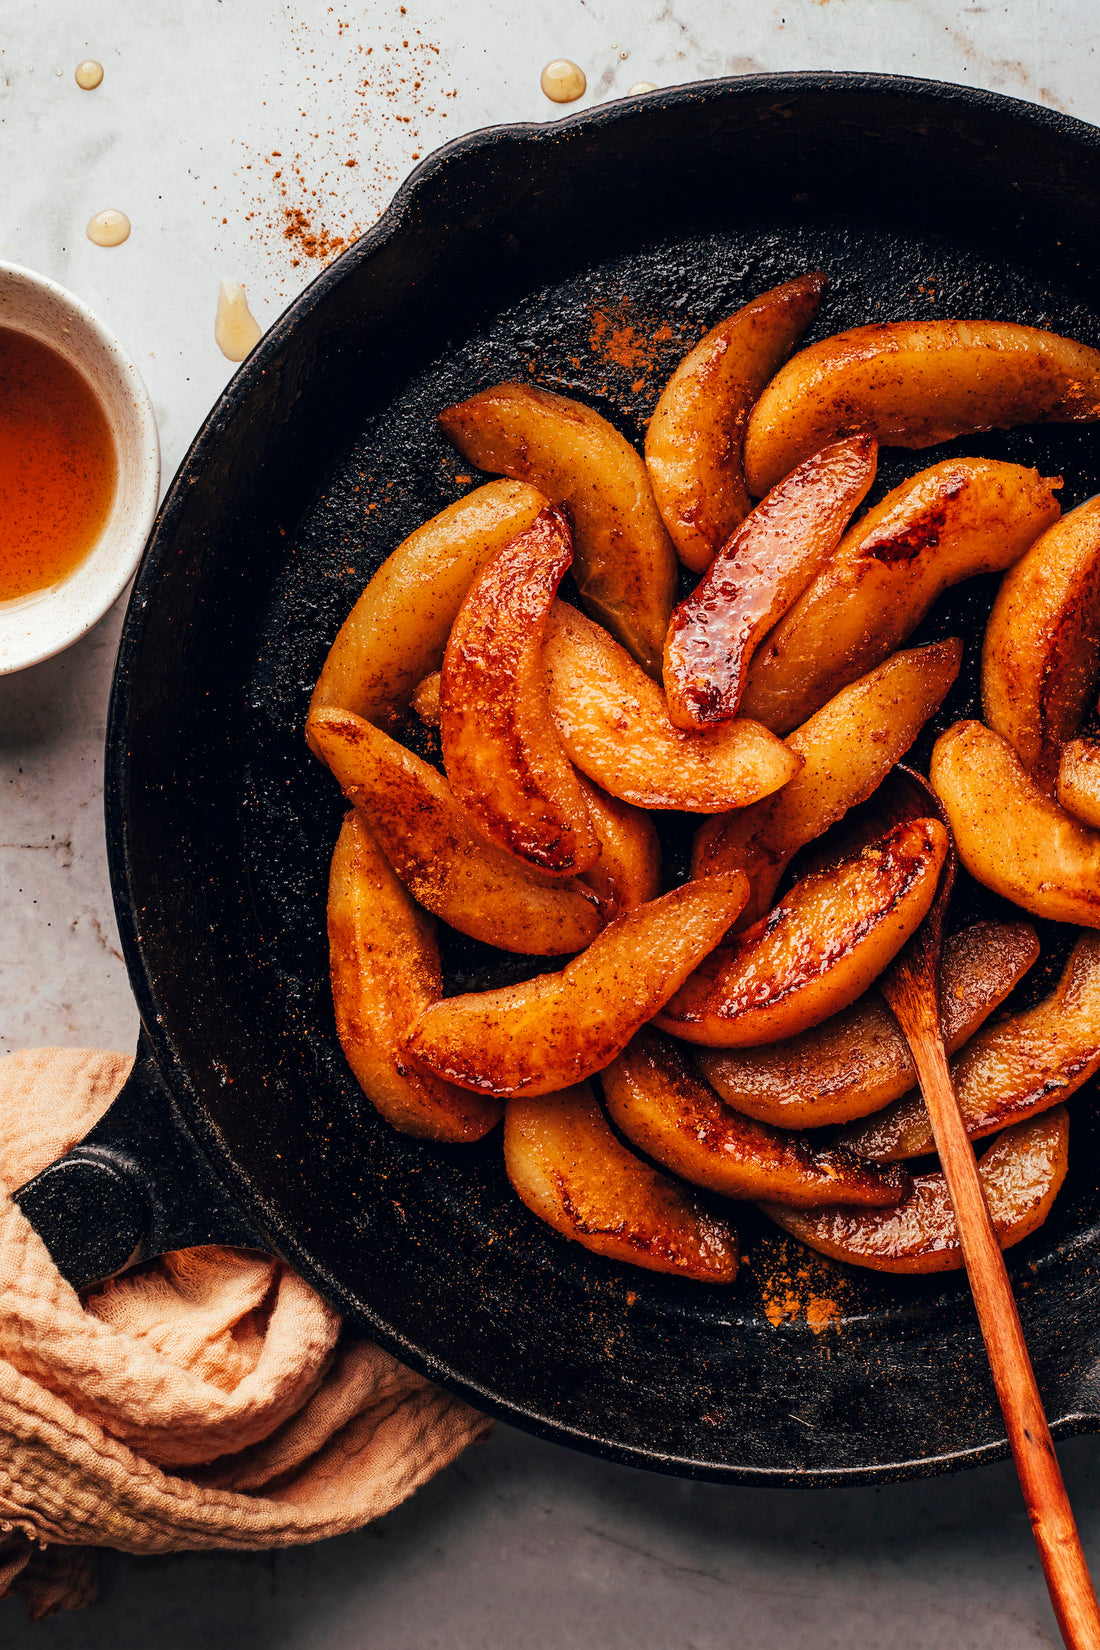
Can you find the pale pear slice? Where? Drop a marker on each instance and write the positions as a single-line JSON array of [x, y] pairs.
[[625, 562], [1078, 787], [1022, 1065], [430, 841], [571, 1171], [1009, 834], [385, 970], [858, 1061], [817, 951], [614, 724], [1022, 1174], [693, 443], [756, 576], [1040, 660], [503, 755], [959, 518], [914, 384], [662, 1105], [558, 1029], [395, 634], [848, 747]]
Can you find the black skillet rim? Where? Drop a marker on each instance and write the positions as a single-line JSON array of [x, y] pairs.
[[232, 399]]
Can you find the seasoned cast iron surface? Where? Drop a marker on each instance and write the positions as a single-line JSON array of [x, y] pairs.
[[803, 1365]]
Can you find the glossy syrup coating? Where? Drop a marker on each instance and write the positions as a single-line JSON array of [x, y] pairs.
[[1022, 1173], [503, 755], [857, 1061], [1009, 1071], [756, 576]]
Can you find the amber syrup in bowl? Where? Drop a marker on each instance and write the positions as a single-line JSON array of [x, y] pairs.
[[58, 466], [79, 468]]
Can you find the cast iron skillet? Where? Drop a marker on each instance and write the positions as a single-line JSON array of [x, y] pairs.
[[531, 252]]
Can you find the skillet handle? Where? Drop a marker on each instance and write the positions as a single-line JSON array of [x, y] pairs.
[[135, 1187]]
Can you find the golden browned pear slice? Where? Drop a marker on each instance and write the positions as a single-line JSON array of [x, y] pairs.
[[662, 1105], [1022, 1065], [395, 634], [628, 871], [1009, 834], [1022, 1174], [693, 443], [503, 755], [625, 564], [558, 1029], [858, 1061], [1078, 787], [916, 383], [385, 970], [1040, 660], [965, 516], [818, 950], [847, 747], [568, 1167], [614, 724], [756, 576], [430, 841]]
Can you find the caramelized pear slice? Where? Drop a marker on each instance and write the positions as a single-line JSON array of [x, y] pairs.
[[965, 516], [693, 443], [1079, 781], [858, 1061], [385, 970], [431, 843], [1040, 659], [755, 577], [1009, 834], [1022, 1065], [569, 1169], [818, 950], [625, 564], [914, 384], [558, 1029], [848, 747], [395, 634], [663, 1106], [502, 752], [614, 724], [628, 872], [1022, 1174]]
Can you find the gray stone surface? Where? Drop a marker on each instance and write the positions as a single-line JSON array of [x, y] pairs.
[[520, 1542]]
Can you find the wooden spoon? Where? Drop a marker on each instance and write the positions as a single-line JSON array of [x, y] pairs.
[[911, 987]]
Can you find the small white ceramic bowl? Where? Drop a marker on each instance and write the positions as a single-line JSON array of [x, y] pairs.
[[37, 626]]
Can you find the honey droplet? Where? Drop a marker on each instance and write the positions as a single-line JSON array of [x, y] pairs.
[[236, 329], [563, 81], [641, 86], [88, 74], [109, 228]]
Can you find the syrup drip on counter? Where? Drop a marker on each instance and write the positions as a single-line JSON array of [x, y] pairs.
[[88, 74], [236, 329], [109, 228], [563, 81], [58, 467]]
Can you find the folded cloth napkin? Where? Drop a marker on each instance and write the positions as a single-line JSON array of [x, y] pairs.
[[205, 1399]]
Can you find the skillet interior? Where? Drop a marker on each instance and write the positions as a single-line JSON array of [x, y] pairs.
[[499, 260]]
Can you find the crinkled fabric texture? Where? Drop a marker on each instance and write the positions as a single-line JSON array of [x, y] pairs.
[[207, 1399]]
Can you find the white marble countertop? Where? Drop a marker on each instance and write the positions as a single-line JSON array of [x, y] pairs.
[[214, 120]]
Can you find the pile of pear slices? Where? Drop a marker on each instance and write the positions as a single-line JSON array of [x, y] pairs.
[[724, 1022]]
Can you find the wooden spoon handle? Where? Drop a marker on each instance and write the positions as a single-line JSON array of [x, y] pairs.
[[1052, 1522]]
